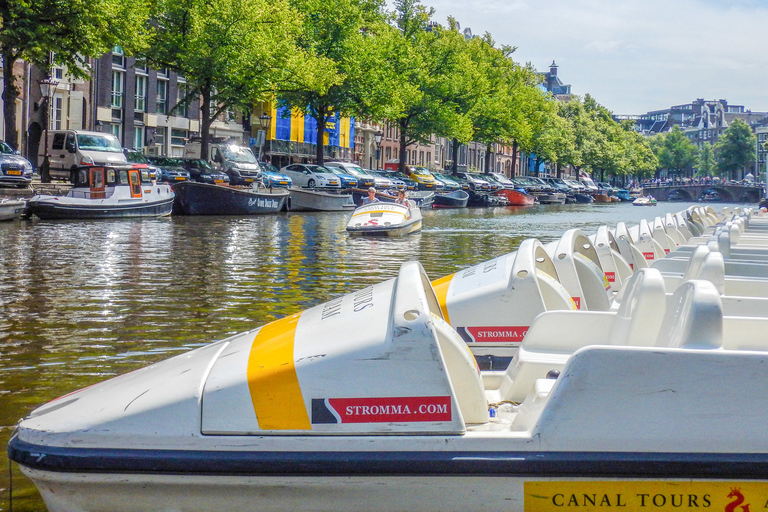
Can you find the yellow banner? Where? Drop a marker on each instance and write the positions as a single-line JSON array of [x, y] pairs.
[[649, 495]]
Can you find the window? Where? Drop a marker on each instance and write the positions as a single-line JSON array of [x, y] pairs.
[[57, 72], [162, 96], [178, 137], [160, 136], [118, 87], [141, 93], [57, 110], [116, 130], [118, 57], [140, 66], [58, 141], [138, 137], [182, 110]]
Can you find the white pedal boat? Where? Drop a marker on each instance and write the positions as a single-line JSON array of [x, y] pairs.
[[385, 219], [372, 402]]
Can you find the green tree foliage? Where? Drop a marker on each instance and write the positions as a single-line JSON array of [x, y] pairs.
[[232, 52], [70, 30], [353, 38], [706, 165], [675, 152], [735, 150], [434, 77]]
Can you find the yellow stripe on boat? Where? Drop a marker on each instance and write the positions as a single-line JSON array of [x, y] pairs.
[[272, 380], [368, 212], [441, 292]]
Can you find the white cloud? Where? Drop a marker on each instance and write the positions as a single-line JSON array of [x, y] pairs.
[[634, 56]]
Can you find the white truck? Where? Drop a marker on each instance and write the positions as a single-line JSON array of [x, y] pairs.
[[238, 162]]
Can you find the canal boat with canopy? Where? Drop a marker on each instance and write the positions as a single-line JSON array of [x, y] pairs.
[[103, 192]]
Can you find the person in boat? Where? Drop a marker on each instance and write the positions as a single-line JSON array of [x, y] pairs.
[[371, 196], [401, 199]]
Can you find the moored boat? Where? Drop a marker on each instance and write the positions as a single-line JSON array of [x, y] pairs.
[[454, 199], [516, 197], [385, 219], [304, 199], [602, 198], [11, 209], [644, 201], [193, 198], [106, 192]]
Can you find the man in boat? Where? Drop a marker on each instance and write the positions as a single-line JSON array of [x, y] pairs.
[[371, 196]]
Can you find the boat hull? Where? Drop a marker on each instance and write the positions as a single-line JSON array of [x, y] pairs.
[[385, 219], [305, 200], [10, 210], [455, 199], [205, 199], [516, 198], [46, 209]]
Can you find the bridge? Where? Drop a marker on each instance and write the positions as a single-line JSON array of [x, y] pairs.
[[729, 193]]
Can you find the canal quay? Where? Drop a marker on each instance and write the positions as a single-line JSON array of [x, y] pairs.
[[83, 301]]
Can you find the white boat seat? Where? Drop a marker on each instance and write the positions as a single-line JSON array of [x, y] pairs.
[[694, 318], [555, 335]]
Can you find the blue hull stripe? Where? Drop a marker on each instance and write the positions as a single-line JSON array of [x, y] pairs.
[[410, 463]]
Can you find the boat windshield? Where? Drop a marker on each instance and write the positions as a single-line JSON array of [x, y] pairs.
[[106, 142], [239, 154]]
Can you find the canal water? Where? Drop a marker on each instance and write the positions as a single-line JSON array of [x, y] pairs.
[[83, 301]]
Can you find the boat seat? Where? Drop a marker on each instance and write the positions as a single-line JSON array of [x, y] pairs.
[[463, 373], [694, 318], [555, 335]]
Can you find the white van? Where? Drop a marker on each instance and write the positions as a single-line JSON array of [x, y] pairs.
[[70, 149], [237, 162]]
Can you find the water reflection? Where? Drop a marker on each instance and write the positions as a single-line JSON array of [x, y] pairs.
[[84, 301]]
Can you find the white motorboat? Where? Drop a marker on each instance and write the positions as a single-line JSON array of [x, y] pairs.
[[107, 192], [644, 201], [305, 199], [11, 209], [385, 219]]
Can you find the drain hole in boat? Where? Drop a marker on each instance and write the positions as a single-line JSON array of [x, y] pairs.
[[411, 315], [522, 273]]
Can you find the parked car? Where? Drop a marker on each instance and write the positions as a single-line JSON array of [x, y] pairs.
[[311, 176], [560, 185], [138, 161], [14, 168], [545, 186], [448, 183], [70, 149], [397, 183], [347, 180], [499, 178], [380, 180], [397, 176], [171, 169], [422, 176], [273, 177], [576, 186], [493, 182], [476, 183], [202, 171], [364, 180]]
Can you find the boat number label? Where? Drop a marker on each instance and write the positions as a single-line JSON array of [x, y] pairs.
[[577, 301], [381, 409], [611, 277], [360, 301], [500, 334], [648, 255], [480, 275], [651, 496]]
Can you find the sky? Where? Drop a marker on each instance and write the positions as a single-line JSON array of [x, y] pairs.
[[633, 56]]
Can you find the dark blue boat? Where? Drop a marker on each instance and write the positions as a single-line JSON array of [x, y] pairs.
[[455, 199], [204, 199]]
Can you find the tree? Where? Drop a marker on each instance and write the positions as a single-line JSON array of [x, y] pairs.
[[735, 149], [675, 152], [706, 165], [232, 52], [64, 32], [435, 76], [351, 37]]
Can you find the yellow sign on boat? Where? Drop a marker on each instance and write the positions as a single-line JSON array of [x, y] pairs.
[[648, 495]]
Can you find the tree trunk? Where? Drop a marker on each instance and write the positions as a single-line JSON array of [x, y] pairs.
[[319, 153], [488, 154], [10, 93], [403, 125], [514, 159], [207, 121], [455, 150]]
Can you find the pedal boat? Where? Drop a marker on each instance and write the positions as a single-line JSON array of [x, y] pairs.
[[372, 402], [385, 219]]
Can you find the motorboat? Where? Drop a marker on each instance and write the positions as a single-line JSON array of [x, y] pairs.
[[11, 209], [194, 198], [305, 199], [454, 199], [644, 201], [552, 198], [385, 219], [517, 197], [371, 400], [103, 192]]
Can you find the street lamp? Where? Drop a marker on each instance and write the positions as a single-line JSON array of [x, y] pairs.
[[47, 90], [377, 138], [265, 120]]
